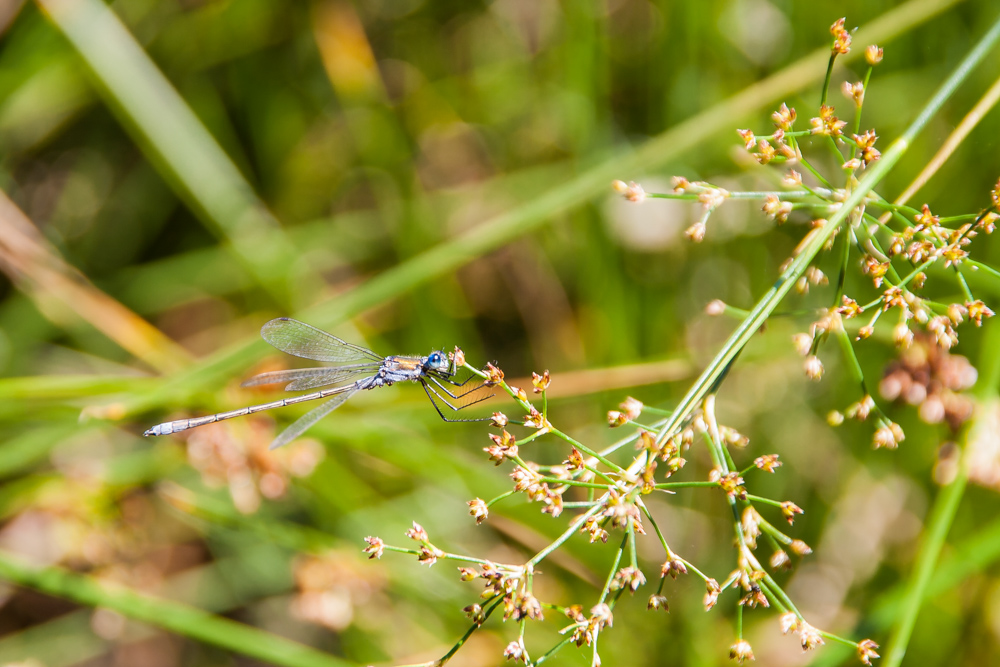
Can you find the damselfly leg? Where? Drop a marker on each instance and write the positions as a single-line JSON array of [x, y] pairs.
[[432, 392]]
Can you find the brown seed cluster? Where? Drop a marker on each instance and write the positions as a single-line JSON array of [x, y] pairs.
[[930, 377]]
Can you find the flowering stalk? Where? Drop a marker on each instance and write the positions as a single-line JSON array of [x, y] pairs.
[[614, 489]]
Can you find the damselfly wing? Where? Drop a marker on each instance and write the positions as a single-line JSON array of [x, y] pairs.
[[354, 368]]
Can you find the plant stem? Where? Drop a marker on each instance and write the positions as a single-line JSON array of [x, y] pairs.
[[173, 616]]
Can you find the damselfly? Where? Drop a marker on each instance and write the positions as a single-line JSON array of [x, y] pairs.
[[367, 369]]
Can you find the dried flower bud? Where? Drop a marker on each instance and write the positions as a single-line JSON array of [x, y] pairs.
[[813, 368], [515, 651], [417, 533], [988, 222], [789, 623], [428, 555], [475, 612], [632, 407], [673, 566], [800, 548], [841, 38], [873, 54], [731, 483], [534, 419], [780, 560], [977, 311], [809, 636], [696, 232], [749, 140], [712, 591], [657, 602], [784, 117], [835, 418], [803, 343], [715, 307], [540, 382], [866, 647], [478, 509], [680, 184], [458, 357], [768, 462], [616, 418], [886, 436], [792, 179], [493, 375], [575, 460], [741, 651], [790, 509], [498, 420], [902, 336], [601, 613], [776, 209], [713, 197], [854, 92], [628, 578], [375, 547], [632, 192], [827, 123], [861, 409], [848, 307]]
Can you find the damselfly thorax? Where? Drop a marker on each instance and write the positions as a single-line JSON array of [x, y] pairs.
[[355, 369]]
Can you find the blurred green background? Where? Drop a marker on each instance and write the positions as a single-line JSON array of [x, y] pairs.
[[414, 175]]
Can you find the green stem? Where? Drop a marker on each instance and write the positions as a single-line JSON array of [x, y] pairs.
[[941, 518], [540, 556], [173, 616], [588, 451], [468, 633], [614, 569]]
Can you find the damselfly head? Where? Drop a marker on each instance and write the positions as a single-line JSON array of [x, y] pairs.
[[437, 361]]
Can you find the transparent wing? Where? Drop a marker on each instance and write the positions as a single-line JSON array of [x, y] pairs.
[[308, 342], [300, 379], [303, 423]]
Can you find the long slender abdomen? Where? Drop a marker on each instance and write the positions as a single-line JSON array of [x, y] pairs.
[[167, 428]]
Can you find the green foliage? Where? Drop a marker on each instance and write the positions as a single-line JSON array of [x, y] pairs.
[[416, 175]]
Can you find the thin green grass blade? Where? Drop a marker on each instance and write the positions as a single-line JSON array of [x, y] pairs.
[[184, 151], [173, 616]]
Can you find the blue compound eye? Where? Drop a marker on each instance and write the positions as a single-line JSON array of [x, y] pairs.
[[435, 358]]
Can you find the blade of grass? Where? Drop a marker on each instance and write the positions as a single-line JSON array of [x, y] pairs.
[[175, 140], [67, 387], [451, 254], [173, 616], [954, 140], [68, 299], [70, 640]]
